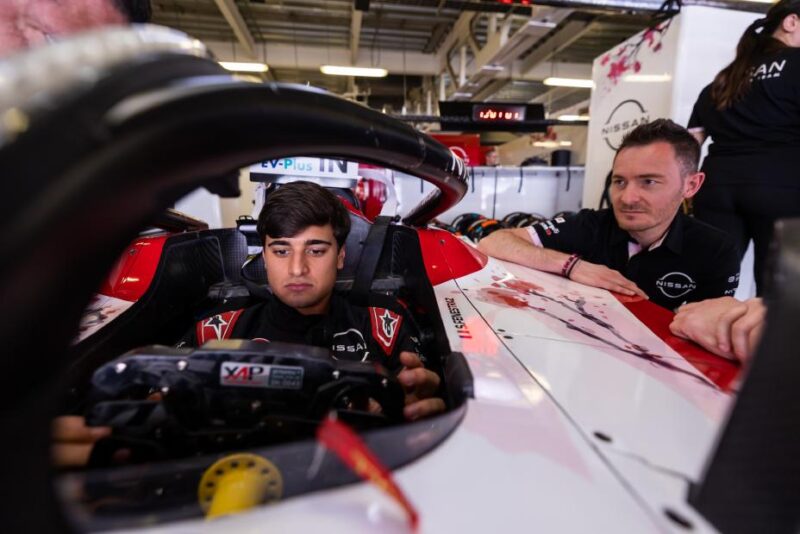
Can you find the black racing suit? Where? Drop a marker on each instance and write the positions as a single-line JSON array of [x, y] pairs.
[[351, 332]]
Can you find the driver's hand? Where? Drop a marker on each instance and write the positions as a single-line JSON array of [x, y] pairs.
[[592, 274], [420, 384], [73, 440]]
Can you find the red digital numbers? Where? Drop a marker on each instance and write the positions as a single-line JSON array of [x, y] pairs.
[[492, 113]]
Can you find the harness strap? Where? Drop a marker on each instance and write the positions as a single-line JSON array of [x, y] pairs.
[[368, 262]]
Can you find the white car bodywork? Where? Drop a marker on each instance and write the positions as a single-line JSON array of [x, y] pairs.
[[527, 457]]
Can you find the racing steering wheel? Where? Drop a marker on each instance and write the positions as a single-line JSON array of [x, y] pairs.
[[166, 403]]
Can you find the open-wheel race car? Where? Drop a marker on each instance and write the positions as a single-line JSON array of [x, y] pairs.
[[568, 409]]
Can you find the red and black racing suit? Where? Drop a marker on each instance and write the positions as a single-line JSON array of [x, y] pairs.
[[351, 332]]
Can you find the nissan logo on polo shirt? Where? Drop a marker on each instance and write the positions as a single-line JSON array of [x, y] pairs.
[[625, 117], [675, 285]]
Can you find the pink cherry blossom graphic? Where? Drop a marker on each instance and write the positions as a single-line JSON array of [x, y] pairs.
[[624, 58]]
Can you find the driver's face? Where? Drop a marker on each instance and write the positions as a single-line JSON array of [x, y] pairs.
[[301, 270]]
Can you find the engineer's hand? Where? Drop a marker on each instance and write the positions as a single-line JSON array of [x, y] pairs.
[[420, 385], [601, 276], [73, 440], [725, 326]]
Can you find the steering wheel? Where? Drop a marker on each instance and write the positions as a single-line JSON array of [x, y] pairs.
[[164, 403]]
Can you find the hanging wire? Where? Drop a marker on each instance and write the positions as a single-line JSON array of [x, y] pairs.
[[405, 91]]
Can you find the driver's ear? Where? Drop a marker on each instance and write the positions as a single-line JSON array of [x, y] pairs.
[[340, 258]]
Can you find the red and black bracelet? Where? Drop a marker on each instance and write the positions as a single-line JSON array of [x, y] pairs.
[[570, 264]]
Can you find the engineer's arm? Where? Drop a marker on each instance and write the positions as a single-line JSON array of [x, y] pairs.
[[699, 133], [517, 246]]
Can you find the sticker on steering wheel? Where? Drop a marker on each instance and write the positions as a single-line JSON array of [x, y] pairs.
[[256, 375]]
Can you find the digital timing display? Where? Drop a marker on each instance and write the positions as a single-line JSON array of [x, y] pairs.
[[498, 113]]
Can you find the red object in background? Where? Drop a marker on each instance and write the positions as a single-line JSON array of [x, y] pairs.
[[465, 146], [371, 194], [354, 453], [446, 257], [131, 275], [719, 370]]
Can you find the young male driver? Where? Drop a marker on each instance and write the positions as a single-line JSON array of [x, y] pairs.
[[303, 227], [643, 246]]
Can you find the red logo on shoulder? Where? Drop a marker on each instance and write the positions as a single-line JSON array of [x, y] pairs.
[[218, 326], [385, 327]]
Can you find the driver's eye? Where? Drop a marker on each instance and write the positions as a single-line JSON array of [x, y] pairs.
[[280, 252], [316, 251]]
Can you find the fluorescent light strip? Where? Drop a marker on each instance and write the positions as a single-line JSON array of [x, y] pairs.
[[646, 78], [573, 118], [569, 82], [335, 70], [239, 66]]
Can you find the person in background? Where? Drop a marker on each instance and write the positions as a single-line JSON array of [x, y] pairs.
[[751, 111], [725, 326], [492, 157], [644, 245]]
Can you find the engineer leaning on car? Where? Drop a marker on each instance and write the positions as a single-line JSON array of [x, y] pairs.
[[304, 228], [644, 245]]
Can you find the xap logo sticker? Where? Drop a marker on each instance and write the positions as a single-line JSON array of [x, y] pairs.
[[256, 375], [675, 284]]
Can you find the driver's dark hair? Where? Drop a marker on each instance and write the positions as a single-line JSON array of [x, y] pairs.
[[686, 147], [295, 206]]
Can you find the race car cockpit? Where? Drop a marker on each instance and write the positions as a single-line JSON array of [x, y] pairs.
[[145, 121], [102, 132]]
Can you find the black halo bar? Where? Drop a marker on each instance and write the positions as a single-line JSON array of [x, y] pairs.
[[535, 125]]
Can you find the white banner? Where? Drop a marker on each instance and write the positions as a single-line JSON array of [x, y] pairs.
[[309, 167]]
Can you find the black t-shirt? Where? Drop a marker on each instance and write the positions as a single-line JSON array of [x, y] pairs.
[[351, 332], [766, 119], [694, 262]]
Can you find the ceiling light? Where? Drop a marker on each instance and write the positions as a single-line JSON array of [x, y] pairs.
[[565, 143], [573, 117], [239, 66], [569, 82], [462, 94], [493, 68], [335, 70], [647, 78], [546, 144]]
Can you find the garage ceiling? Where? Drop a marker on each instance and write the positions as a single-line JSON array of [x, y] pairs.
[[504, 51]]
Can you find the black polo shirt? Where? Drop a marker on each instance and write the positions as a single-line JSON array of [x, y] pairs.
[[693, 262]]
